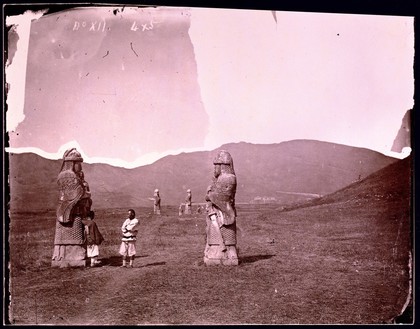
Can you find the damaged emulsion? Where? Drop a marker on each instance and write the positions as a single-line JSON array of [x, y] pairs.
[[131, 45], [95, 26]]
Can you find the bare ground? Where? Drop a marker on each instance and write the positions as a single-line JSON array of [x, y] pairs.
[[346, 263]]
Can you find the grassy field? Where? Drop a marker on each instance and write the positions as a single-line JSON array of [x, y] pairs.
[[342, 262]]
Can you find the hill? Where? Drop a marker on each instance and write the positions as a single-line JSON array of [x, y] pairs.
[[282, 173], [389, 186], [382, 201]]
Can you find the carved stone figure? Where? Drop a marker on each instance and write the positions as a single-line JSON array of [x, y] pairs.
[[73, 206], [156, 203], [188, 203], [181, 209], [221, 213]]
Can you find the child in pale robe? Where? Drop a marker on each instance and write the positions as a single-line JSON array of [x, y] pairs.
[[129, 237]]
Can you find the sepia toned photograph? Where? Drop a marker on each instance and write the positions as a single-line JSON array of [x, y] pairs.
[[168, 165]]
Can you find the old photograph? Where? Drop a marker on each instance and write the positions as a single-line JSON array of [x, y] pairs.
[[170, 165]]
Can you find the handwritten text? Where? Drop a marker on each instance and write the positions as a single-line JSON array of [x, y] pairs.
[[90, 26]]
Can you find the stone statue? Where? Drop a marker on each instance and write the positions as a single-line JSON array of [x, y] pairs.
[[186, 207], [73, 206], [156, 203], [181, 209], [188, 203], [221, 213]]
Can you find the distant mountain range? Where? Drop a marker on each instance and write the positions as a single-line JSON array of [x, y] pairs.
[[283, 173]]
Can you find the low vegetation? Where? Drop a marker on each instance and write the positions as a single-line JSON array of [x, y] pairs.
[[342, 261]]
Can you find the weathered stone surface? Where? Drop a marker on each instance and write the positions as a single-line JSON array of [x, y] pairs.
[[69, 256], [156, 202], [221, 213], [188, 203], [73, 206], [214, 255]]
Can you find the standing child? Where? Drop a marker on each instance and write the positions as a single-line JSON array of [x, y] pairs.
[[93, 238], [128, 244]]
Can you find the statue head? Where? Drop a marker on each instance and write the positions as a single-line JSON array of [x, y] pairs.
[[223, 157], [72, 155], [72, 160], [223, 163]]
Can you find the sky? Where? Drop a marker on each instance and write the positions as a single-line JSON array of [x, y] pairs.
[[129, 86]]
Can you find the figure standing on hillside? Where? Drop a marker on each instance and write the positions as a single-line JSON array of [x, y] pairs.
[[93, 238], [73, 206], [188, 202], [156, 203], [129, 237], [221, 213]]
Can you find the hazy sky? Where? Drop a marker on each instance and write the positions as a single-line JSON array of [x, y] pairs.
[[136, 84]]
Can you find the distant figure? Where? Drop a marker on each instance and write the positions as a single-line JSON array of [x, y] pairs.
[[129, 238], [156, 203], [188, 203], [181, 209], [221, 213], [73, 206], [93, 238]]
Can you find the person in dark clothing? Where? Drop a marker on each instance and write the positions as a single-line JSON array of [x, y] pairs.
[[93, 238]]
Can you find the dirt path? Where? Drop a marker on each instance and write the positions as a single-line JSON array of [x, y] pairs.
[[117, 288], [98, 307]]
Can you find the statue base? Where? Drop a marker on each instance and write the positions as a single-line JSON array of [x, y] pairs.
[[187, 210], [69, 256], [68, 263], [215, 255]]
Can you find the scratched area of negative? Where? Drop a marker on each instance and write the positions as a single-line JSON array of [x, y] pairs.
[[104, 21], [111, 60], [101, 26], [152, 18]]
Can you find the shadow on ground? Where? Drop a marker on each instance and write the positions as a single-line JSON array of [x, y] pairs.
[[115, 260], [253, 259], [154, 264]]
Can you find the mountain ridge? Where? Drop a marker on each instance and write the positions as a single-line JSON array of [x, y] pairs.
[[263, 170]]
